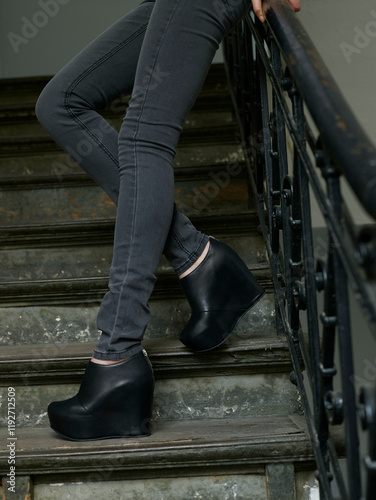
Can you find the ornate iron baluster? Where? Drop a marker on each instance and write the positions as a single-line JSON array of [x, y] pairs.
[[368, 417], [259, 87], [345, 345], [292, 197]]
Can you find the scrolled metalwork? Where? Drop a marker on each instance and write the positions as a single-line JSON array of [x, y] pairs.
[[276, 75]]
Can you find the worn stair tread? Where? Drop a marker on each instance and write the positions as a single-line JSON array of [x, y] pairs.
[[24, 111], [63, 363], [190, 445], [21, 90], [24, 144], [50, 326], [102, 231], [215, 82], [188, 159], [86, 290], [87, 260], [16, 120], [58, 204], [53, 277], [219, 391], [36, 276], [56, 169], [23, 122], [19, 95]]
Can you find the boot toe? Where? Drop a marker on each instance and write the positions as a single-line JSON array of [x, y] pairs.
[[70, 419]]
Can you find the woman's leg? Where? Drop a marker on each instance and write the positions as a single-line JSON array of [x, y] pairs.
[[180, 42], [68, 109]]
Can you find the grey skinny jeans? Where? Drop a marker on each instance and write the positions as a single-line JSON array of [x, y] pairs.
[[161, 51]]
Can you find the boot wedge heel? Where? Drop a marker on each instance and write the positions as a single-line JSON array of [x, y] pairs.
[[220, 291]]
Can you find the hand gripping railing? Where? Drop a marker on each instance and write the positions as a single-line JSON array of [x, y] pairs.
[[295, 124]]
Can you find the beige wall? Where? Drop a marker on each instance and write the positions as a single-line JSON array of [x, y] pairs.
[[344, 32], [61, 33], [54, 34]]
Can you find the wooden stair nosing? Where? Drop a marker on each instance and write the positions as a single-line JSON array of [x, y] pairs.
[[65, 363], [186, 444]]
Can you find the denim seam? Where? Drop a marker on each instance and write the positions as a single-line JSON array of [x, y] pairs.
[[84, 75], [180, 244], [194, 254], [134, 212], [132, 351], [135, 155]]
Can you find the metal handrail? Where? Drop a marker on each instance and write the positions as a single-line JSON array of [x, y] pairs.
[[280, 52], [340, 130]]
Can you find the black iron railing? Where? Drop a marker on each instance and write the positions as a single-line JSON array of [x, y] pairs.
[[300, 136]]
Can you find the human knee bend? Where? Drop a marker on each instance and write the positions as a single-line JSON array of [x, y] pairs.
[[47, 105]]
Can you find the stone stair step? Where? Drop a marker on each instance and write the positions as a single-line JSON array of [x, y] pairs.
[[220, 395], [87, 203], [102, 231], [38, 275], [215, 486], [23, 122], [182, 448], [21, 108], [18, 92], [260, 353], [88, 260], [85, 290], [51, 169], [50, 326], [27, 144], [19, 95]]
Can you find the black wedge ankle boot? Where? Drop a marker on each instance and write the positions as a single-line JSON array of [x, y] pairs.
[[113, 401], [220, 291]]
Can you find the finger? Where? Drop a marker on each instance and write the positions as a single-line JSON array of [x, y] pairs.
[[266, 6], [295, 4], [258, 10]]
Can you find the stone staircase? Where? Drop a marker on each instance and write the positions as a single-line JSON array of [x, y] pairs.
[[227, 425]]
